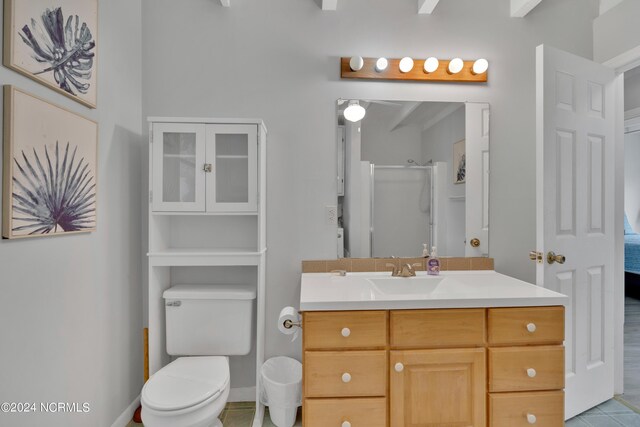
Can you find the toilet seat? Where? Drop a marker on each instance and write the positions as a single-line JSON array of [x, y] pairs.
[[186, 383]]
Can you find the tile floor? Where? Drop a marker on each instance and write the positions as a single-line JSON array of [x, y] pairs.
[[613, 413], [241, 414]]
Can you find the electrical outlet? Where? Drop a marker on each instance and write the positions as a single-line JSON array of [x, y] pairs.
[[331, 215]]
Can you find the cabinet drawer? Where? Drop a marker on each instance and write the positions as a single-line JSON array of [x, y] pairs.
[[359, 412], [542, 408], [345, 330], [521, 326], [437, 328], [345, 373], [526, 368]]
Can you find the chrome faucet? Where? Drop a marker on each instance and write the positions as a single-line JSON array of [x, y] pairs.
[[405, 270]]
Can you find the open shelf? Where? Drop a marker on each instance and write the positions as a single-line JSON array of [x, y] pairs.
[[204, 257]]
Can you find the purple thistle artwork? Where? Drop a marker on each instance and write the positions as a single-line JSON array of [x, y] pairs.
[[63, 48], [53, 194]]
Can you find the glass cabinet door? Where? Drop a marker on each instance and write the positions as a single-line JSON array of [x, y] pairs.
[[232, 151], [178, 167]]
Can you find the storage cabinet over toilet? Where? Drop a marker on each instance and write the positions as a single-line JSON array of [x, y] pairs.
[[207, 221], [204, 167]]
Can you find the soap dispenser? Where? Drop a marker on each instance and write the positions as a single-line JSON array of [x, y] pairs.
[[425, 251], [433, 264]]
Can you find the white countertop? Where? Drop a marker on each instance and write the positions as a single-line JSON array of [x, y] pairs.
[[452, 289]]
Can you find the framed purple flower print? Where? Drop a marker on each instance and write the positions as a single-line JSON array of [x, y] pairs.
[[55, 43], [49, 168]]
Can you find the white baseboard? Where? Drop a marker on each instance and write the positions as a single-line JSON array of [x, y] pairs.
[[127, 415], [242, 394]]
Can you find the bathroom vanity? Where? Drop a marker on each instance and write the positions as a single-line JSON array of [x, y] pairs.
[[467, 348]]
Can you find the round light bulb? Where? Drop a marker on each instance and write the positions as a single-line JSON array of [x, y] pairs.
[[431, 65], [455, 66], [354, 112], [406, 64], [381, 64], [480, 66], [356, 63]]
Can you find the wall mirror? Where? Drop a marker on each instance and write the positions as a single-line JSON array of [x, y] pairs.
[[410, 174]]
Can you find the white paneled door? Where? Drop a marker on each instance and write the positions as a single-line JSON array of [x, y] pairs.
[[576, 146], [477, 179]]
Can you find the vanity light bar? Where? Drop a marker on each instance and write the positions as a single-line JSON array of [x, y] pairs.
[[430, 69]]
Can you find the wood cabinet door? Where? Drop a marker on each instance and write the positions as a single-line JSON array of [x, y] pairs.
[[432, 388]]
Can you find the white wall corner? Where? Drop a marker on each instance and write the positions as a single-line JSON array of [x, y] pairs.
[[225, 3], [606, 5], [126, 416], [427, 6], [521, 8], [329, 4]]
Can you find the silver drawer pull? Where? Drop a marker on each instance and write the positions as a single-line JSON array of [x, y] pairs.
[[346, 332], [399, 367], [346, 424], [531, 419], [531, 327], [346, 377], [532, 373]]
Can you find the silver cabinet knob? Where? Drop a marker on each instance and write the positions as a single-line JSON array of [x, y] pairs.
[[531, 327], [531, 373], [346, 424], [399, 367], [346, 332], [531, 419], [346, 377]]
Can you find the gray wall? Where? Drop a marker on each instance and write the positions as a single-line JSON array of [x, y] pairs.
[[71, 320], [382, 146], [278, 60], [632, 89], [616, 32], [632, 179]]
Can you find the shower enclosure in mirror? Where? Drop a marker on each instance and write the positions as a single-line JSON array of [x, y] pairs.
[[412, 174]]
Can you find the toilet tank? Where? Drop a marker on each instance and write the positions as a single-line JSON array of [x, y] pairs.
[[209, 320]]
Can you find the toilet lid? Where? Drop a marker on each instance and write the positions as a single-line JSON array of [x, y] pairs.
[[186, 382]]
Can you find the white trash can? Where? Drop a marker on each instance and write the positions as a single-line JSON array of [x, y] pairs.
[[282, 389]]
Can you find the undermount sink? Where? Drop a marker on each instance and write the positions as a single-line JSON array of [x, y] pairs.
[[422, 285]]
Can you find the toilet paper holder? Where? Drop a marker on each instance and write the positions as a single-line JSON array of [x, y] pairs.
[[291, 324]]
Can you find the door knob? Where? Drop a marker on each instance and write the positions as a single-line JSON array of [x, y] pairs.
[[552, 257], [475, 242], [207, 167]]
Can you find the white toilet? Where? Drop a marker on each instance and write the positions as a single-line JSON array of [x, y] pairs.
[[207, 323]]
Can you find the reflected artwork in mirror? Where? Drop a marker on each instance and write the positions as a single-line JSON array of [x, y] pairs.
[[396, 195]]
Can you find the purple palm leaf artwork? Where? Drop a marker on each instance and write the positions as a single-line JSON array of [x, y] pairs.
[[53, 194], [63, 48]]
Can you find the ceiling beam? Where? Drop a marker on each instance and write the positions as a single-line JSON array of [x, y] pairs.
[[402, 115], [329, 4], [520, 8], [225, 3], [427, 6]]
